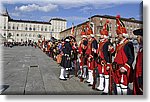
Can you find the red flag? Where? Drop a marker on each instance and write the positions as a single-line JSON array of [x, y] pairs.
[[72, 30], [83, 30], [88, 29], [120, 26], [105, 29]]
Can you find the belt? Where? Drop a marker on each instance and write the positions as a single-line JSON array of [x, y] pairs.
[[120, 65], [66, 55]]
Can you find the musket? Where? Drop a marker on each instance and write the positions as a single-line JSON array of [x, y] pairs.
[[75, 65], [94, 76], [110, 75], [111, 70], [94, 73], [94, 70]]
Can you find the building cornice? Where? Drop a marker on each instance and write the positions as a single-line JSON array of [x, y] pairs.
[[58, 19], [27, 21], [114, 17]]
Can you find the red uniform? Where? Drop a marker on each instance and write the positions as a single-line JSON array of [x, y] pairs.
[[91, 53], [103, 61], [124, 58], [138, 76], [91, 50], [82, 49], [104, 56]]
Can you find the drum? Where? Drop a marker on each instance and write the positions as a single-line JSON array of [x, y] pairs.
[[59, 58]]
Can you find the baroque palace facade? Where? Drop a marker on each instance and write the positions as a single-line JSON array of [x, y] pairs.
[[97, 22], [24, 30]]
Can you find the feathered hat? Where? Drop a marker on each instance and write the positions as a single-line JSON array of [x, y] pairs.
[[83, 33], [105, 29], [120, 27]]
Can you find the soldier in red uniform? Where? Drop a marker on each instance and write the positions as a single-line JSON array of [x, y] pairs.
[[124, 57], [138, 71], [91, 53], [103, 61], [82, 56]]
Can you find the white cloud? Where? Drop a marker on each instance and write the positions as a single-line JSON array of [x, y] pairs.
[[86, 9], [50, 5], [34, 7], [73, 3]]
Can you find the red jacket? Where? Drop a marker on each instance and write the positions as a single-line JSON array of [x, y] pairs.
[[138, 74], [124, 57]]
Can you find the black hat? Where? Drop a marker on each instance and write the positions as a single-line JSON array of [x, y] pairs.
[[138, 32]]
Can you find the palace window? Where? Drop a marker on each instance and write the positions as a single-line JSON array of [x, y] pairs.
[[22, 26], [42, 29], [4, 27], [13, 27], [101, 23], [49, 28], [17, 34], [30, 28], [38, 27], [9, 27], [26, 28], [34, 29]]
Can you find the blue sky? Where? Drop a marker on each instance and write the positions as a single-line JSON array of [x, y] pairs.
[[74, 11]]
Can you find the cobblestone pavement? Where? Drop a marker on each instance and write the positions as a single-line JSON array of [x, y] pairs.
[[27, 70]]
